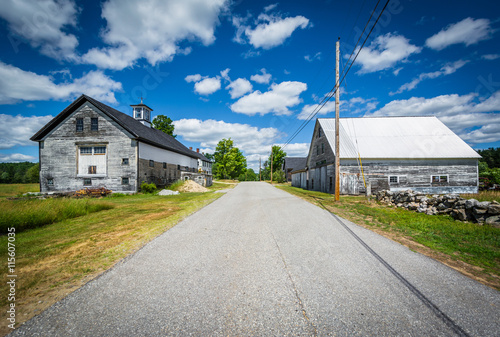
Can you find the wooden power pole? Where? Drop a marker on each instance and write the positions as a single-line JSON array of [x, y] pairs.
[[337, 121], [271, 164]]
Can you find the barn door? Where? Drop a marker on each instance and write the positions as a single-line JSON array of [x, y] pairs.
[[349, 184]]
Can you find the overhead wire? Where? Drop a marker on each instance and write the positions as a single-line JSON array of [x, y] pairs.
[[344, 73]]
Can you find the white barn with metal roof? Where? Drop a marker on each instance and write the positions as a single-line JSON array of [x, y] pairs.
[[396, 153]]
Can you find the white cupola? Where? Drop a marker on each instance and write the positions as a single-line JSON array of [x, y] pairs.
[[142, 113]]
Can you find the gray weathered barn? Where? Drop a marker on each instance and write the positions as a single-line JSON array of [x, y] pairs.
[[90, 144], [392, 153], [291, 164]]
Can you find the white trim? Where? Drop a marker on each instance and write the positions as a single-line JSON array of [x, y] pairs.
[[440, 175]]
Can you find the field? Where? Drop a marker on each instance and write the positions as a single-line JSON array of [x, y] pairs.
[[472, 249], [56, 259], [12, 190]]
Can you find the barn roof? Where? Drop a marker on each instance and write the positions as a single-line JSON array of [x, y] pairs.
[[294, 163], [137, 129], [395, 137]]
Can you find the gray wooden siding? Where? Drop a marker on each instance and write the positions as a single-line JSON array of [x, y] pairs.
[[59, 153], [416, 174]]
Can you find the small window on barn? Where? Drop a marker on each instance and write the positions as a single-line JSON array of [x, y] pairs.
[[85, 150], [164, 165], [50, 181], [124, 161], [151, 163], [87, 182], [439, 179], [179, 167], [125, 181], [322, 147], [317, 149], [79, 125], [100, 150], [393, 179], [319, 132], [94, 126], [92, 169]]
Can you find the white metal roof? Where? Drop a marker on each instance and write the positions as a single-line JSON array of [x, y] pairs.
[[396, 137]]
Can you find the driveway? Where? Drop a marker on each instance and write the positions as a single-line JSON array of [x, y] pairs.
[[259, 261]]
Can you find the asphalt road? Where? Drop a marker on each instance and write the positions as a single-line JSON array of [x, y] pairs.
[[261, 262]]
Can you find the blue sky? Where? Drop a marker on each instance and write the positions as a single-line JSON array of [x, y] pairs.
[[249, 70]]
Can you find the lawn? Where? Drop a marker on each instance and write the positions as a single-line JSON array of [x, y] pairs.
[[470, 248], [12, 190], [56, 259]]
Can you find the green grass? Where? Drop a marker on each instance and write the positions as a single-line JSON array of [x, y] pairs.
[[56, 259], [25, 214], [472, 243], [12, 190]]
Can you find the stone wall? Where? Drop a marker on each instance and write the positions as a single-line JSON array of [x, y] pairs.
[[451, 204]]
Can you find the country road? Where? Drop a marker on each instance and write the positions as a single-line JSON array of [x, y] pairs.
[[261, 262]]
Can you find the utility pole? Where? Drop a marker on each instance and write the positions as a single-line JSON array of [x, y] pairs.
[[337, 121], [260, 177], [271, 164]]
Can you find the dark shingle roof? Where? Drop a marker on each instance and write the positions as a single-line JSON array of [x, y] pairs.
[[294, 163], [137, 129]]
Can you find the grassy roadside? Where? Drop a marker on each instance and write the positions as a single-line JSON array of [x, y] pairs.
[[54, 260], [472, 249], [12, 190]]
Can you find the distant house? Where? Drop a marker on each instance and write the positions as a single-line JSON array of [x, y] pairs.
[[90, 144], [392, 153], [291, 164]]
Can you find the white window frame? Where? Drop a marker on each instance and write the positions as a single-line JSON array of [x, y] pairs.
[[439, 178], [393, 182]]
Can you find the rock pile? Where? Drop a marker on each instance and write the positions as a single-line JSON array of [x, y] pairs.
[[452, 204]]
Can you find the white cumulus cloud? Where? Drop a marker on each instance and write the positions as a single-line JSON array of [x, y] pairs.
[[447, 69], [384, 52], [263, 78], [468, 31], [43, 24], [270, 30], [153, 29], [277, 100], [17, 130], [205, 85], [19, 85], [239, 87], [15, 158]]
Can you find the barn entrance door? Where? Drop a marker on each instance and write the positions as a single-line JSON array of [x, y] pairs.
[[349, 184]]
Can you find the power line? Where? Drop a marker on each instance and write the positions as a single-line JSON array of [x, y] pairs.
[[330, 94]]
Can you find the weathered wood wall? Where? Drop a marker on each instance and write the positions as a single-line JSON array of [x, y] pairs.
[[59, 154]]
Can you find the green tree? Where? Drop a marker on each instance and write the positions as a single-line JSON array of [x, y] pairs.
[[229, 161], [32, 174], [165, 124], [249, 175], [277, 156]]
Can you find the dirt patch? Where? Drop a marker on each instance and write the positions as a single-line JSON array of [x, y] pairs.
[[191, 186]]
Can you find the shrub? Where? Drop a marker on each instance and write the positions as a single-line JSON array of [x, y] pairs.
[[148, 188], [279, 176]]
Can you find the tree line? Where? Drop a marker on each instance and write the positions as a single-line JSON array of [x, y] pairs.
[[489, 168], [19, 173]]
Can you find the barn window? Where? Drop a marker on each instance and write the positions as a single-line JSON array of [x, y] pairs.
[[164, 165], [331, 183], [87, 182], [50, 181], [317, 149], [92, 169], [100, 150], [179, 167], [124, 161], [322, 147], [79, 125], [319, 132], [125, 181], [439, 179], [393, 179], [85, 150], [151, 163], [94, 126]]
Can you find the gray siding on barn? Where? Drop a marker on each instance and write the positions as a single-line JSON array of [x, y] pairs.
[[416, 174], [59, 153]]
